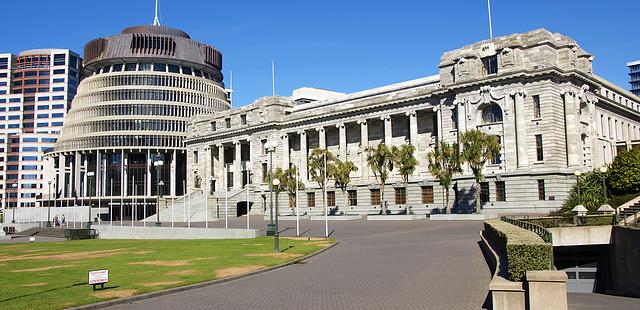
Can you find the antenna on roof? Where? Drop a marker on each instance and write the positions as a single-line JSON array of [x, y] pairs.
[[156, 21], [490, 26]]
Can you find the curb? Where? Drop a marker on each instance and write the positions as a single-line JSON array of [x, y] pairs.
[[149, 295]]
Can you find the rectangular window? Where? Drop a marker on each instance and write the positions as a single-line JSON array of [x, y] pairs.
[[375, 196], [58, 80], [497, 160], [311, 200], [59, 71], [58, 89], [174, 68], [130, 67], [213, 126], [59, 59], [227, 122], [454, 119], [243, 119], [159, 67], [116, 68], [427, 194], [490, 64], [265, 174], [500, 191], [536, 106], [541, 192], [539, 151], [195, 157], [401, 196], [331, 199], [57, 98], [353, 198], [484, 192]]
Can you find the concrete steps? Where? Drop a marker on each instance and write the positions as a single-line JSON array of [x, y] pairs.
[[43, 232], [192, 208]]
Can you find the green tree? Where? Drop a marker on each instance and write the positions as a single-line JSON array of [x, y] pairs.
[[341, 174], [406, 162], [444, 162], [591, 192], [624, 174], [287, 183], [478, 147], [380, 160], [316, 165]]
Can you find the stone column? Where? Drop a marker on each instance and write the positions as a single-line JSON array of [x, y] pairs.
[[413, 127], [321, 138], [342, 133], [172, 174], [387, 129], [304, 153], [148, 165], [520, 123], [77, 190], [285, 151], [237, 167], [85, 178], [125, 165], [438, 111], [572, 133], [222, 169], [61, 169], [364, 143], [98, 175], [462, 117]]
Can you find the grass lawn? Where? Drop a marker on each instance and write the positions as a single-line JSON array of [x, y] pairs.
[[54, 275]]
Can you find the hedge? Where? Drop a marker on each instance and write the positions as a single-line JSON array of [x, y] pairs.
[[524, 249]]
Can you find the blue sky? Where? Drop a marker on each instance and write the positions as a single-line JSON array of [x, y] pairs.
[[339, 45]]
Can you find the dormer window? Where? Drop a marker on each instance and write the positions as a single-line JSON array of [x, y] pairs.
[[490, 64]]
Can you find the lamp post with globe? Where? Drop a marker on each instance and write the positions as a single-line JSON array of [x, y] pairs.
[[158, 164], [269, 148]]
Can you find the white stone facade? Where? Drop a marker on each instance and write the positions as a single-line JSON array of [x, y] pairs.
[[535, 90]]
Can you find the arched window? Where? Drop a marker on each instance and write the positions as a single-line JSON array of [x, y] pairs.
[[492, 114]]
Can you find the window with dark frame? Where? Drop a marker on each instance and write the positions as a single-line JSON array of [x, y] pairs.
[[311, 200], [401, 195], [265, 174], [243, 119], [353, 197], [213, 126], [484, 192], [541, 192], [227, 122], [490, 64], [331, 199], [375, 196], [427, 194], [536, 106], [539, 150], [454, 119], [501, 194]]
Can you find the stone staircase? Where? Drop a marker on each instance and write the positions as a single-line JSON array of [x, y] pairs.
[[192, 207], [43, 232]]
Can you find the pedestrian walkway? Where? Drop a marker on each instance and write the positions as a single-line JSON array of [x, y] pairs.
[[376, 265]]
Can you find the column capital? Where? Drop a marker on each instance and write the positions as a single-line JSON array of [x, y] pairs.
[[436, 109], [302, 132], [385, 118], [340, 125], [411, 113], [236, 142], [568, 91], [219, 145], [284, 135], [362, 122], [519, 92], [320, 129]]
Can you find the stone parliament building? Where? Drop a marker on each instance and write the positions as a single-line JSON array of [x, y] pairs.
[[536, 91]]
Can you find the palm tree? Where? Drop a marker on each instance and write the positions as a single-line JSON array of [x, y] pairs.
[[478, 147], [316, 165], [406, 163], [444, 162], [340, 173], [380, 160], [287, 183]]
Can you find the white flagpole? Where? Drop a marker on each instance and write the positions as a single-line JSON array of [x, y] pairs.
[[326, 208], [206, 198], [248, 180], [189, 209], [111, 205], [133, 200], [297, 207], [273, 78], [490, 23], [172, 207], [226, 207]]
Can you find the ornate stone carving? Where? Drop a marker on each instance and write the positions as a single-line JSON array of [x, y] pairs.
[[410, 113], [463, 68], [508, 57]]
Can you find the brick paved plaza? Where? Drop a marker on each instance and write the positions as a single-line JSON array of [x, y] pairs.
[[377, 265]]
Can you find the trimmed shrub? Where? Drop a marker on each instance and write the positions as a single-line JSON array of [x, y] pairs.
[[624, 174], [524, 249]]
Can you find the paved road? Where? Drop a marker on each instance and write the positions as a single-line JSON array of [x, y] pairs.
[[377, 265], [592, 301]]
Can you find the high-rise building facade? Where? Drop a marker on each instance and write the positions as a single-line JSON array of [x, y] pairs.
[[634, 76], [125, 129], [36, 89]]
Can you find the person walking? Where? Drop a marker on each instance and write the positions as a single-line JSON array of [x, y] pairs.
[[63, 221]]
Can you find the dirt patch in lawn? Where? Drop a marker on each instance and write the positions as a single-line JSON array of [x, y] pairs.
[[67, 255], [142, 252], [30, 251], [253, 244], [182, 273], [42, 268], [34, 284], [277, 255], [171, 263], [151, 284], [114, 293], [320, 244], [228, 272]]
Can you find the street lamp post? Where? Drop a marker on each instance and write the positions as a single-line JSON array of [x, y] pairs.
[[604, 169], [49, 206], [276, 240], [270, 147], [13, 218], [90, 175], [577, 174], [158, 164]]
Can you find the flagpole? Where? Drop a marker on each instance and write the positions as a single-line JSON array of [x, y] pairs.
[[111, 205], [490, 23], [326, 208], [248, 180], [297, 207]]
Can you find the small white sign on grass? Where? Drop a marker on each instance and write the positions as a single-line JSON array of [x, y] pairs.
[[98, 277]]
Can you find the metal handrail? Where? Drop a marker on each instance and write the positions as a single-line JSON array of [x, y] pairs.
[[539, 230]]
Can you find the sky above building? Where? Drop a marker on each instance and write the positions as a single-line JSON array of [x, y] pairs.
[[344, 46]]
